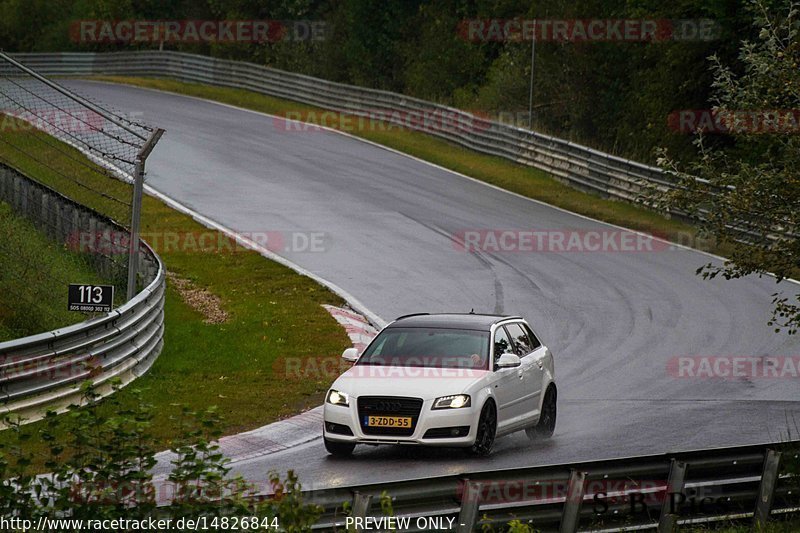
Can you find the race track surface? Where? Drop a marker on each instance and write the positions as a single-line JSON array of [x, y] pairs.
[[614, 320]]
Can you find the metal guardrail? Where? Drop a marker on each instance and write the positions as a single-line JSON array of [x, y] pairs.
[[578, 165], [42, 372], [639, 493]]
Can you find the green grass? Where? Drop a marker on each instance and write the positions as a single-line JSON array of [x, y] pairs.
[[274, 313], [521, 179], [34, 273]]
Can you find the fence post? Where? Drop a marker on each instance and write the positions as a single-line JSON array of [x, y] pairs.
[[136, 209], [570, 516], [766, 488], [470, 499], [675, 482], [361, 503]]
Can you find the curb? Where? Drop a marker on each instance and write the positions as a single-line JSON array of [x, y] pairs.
[[291, 432]]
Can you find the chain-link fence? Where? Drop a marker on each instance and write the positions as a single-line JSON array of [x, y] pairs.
[[87, 152]]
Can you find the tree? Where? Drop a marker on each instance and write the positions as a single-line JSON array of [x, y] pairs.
[[745, 186]]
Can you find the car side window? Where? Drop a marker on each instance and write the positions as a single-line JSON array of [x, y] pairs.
[[502, 344], [536, 343], [520, 339]]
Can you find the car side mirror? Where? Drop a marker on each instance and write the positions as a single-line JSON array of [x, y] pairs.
[[350, 354], [508, 360]]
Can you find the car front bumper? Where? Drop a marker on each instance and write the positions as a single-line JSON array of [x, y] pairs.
[[428, 419]]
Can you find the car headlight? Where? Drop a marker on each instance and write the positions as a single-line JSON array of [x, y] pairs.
[[338, 398], [452, 402]]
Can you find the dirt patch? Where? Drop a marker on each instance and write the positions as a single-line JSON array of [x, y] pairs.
[[201, 300]]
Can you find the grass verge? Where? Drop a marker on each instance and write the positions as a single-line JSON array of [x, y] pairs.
[[524, 180], [34, 272], [264, 313]]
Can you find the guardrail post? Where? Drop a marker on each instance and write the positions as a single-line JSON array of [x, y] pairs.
[[470, 499], [570, 516], [675, 482], [766, 489], [361, 503]]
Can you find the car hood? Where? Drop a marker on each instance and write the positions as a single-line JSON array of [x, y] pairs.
[[418, 382]]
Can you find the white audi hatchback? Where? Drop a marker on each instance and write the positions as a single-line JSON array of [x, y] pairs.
[[443, 380]]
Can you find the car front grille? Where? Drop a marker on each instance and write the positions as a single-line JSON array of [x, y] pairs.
[[388, 406]]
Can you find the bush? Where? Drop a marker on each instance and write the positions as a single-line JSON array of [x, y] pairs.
[[100, 467]]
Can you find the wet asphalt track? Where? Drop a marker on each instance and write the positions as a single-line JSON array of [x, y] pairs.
[[613, 320]]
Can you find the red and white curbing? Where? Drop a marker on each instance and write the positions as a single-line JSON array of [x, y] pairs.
[[358, 328], [290, 432]]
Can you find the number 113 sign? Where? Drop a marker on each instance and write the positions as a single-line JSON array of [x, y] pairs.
[[91, 298]]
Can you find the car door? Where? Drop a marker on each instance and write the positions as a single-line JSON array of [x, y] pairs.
[[508, 385], [532, 357]]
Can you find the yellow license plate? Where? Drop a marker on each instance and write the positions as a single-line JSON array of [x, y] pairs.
[[389, 421]]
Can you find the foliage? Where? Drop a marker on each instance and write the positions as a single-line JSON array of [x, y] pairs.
[[747, 189], [612, 95], [287, 503], [514, 526], [103, 470], [387, 507]]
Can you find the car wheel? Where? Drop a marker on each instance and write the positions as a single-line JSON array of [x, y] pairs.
[[487, 429], [339, 449], [547, 419]]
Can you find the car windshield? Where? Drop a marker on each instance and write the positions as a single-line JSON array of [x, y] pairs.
[[429, 347]]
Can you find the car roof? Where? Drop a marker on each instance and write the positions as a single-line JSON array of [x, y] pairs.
[[449, 320]]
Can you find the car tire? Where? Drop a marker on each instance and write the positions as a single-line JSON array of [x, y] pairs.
[[339, 449], [486, 432], [547, 419]]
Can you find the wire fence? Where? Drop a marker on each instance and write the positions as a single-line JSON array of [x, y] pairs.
[[46, 243], [91, 154]]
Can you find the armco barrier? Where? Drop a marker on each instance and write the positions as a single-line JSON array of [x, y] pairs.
[[627, 494], [577, 165], [42, 372]]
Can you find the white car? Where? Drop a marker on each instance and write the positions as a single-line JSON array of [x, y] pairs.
[[443, 380]]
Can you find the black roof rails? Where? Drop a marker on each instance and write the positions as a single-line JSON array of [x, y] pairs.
[[409, 316], [500, 318]]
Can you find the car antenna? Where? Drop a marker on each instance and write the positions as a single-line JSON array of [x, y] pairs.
[[472, 311]]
